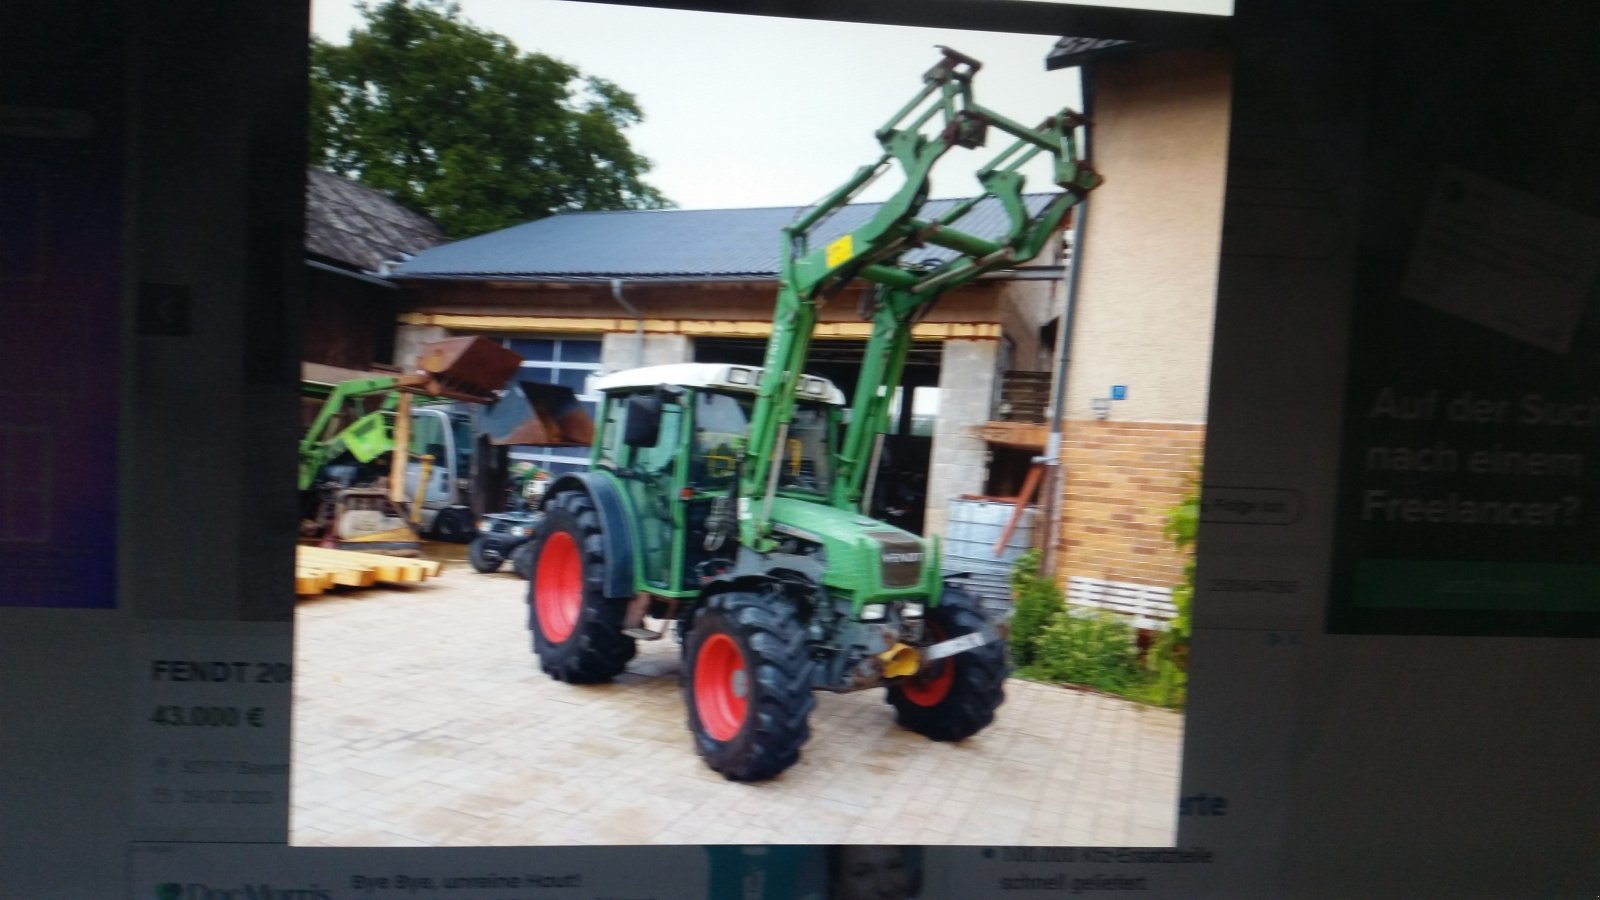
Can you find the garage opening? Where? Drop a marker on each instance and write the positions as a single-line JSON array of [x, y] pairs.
[[900, 490]]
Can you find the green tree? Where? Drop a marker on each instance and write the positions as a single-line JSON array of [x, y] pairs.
[[455, 120]]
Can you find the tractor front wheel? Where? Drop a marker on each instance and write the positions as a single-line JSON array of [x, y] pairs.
[[453, 524], [482, 558], [956, 698], [522, 561], [746, 680], [577, 630]]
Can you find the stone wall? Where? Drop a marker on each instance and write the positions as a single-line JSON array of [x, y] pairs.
[[968, 378], [621, 350]]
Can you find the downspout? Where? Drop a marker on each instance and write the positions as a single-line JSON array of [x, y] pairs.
[[1056, 482], [638, 322]]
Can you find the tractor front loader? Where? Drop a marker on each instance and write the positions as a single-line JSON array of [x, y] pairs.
[[728, 502], [390, 454]]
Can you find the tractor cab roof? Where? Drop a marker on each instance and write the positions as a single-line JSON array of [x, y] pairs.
[[720, 376]]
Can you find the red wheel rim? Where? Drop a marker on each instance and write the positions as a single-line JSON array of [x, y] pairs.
[[928, 691], [931, 689], [558, 587], [721, 687]]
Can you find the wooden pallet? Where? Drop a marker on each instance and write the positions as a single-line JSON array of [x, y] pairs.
[[317, 569]]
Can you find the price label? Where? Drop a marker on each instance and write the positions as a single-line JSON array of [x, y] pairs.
[[211, 725], [209, 716]]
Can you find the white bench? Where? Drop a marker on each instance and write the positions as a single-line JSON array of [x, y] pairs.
[[1149, 607]]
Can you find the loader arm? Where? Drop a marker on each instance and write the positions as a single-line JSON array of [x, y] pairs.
[[941, 116]]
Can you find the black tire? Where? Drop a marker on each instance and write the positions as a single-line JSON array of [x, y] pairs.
[[757, 736], [482, 559], [957, 699], [453, 524], [577, 630], [522, 560]]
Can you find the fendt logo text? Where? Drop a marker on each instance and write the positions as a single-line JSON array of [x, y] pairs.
[[173, 890], [902, 557]]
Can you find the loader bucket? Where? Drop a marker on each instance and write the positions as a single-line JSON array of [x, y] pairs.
[[533, 412], [466, 368]]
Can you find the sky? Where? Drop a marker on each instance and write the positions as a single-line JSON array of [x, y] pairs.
[[747, 111]]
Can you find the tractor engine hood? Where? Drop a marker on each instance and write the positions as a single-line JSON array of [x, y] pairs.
[[865, 557]]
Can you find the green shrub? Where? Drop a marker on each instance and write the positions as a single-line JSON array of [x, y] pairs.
[[1169, 657], [1036, 599], [1092, 648]]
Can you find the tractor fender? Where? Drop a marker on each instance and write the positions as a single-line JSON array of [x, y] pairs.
[[613, 527], [737, 582]]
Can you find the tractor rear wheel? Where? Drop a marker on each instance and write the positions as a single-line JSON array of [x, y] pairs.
[[746, 680], [957, 697], [577, 630]]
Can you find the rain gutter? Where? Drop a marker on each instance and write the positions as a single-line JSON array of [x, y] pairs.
[[638, 321], [359, 276], [1055, 483]]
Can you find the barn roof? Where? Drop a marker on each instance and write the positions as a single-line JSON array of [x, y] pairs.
[[678, 243], [361, 228]]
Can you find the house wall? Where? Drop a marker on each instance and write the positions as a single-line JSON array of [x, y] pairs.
[[1144, 315], [1150, 255], [348, 322], [1024, 308]]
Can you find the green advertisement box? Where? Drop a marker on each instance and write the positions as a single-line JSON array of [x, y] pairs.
[[1469, 479]]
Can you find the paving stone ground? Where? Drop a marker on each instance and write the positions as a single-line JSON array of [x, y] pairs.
[[421, 718]]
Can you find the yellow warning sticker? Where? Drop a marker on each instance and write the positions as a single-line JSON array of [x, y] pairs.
[[839, 251]]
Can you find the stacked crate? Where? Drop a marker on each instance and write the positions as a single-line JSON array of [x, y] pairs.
[[1024, 396], [975, 525]]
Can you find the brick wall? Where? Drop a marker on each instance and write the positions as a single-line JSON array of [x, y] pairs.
[[1120, 480]]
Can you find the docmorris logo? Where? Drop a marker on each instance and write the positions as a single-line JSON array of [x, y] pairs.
[[194, 890]]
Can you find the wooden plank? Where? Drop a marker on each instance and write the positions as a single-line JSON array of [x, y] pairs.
[[311, 581], [1024, 435], [428, 567], [1029, 485], [376, 566], [348, 576]]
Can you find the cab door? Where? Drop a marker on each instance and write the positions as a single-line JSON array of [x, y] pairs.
[[431, 434], [652, 474]]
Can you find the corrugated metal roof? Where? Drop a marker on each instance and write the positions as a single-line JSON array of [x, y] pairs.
[[706, 243], [361, 227]]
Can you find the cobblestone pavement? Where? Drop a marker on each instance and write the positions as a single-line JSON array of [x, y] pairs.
[[421, 718]]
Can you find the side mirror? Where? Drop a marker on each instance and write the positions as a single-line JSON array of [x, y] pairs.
[[643, 422]]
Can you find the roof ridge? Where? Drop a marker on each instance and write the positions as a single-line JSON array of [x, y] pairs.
[[726, 209]]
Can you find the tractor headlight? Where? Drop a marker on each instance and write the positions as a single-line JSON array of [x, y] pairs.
[[520, 531], [874, 612], [911, 611], [483, 524]]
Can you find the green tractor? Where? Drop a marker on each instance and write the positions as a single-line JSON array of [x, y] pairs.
[[730, 499]]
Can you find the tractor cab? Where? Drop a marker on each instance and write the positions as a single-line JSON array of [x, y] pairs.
[[673, 437]]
